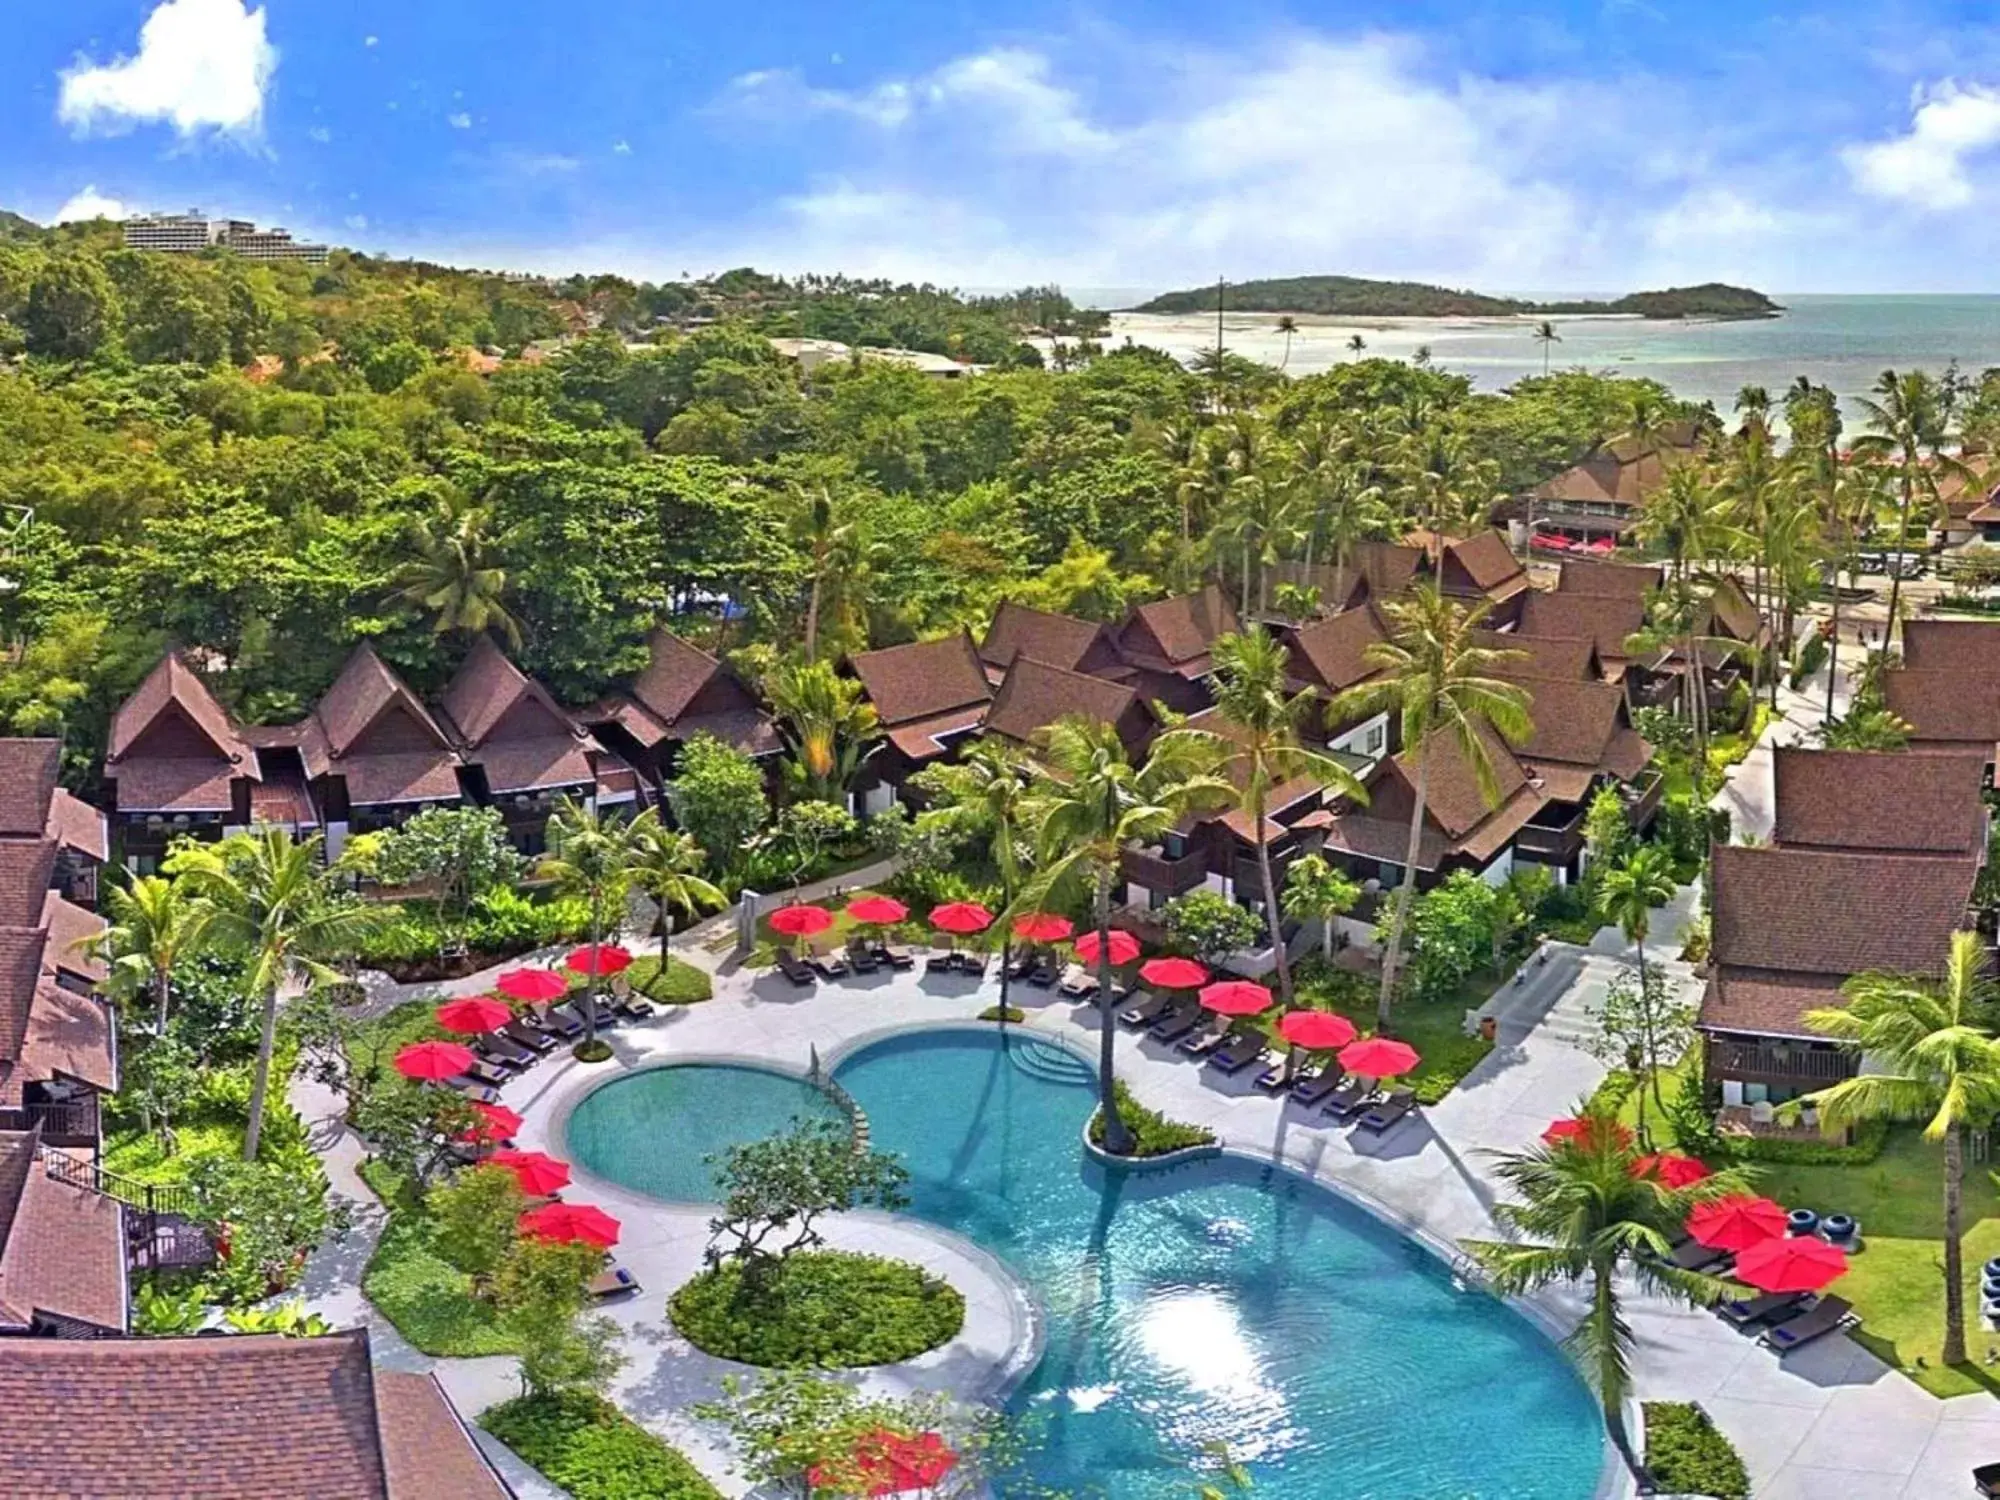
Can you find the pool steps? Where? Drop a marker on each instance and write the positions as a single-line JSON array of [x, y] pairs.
[[1048, 1061]]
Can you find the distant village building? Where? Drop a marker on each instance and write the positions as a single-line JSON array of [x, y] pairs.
[[184, 234], [812, 353]]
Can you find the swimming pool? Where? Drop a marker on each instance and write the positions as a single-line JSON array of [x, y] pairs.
[[654, 1130]]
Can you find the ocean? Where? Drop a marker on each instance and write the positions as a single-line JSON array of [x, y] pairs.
[[1844, 342]]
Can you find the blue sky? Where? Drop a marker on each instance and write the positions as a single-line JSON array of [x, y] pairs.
[[1536, 145]]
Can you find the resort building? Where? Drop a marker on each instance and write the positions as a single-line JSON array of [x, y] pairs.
[[374, 754], [64, 1253], [1948, 687], [1608, 621], [1330, 656], [1059, 640], [247, 1415], [682, 692], [1582, 742], [175, 764], [930, 697], [1033, 694], [1166, 646], [194, 231], [1593, 504], [38, 815], [1579, 575]]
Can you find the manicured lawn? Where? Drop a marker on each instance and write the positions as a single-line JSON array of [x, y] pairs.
[[819, 1309], [429, 1300], [1435, 1028], [683, 983], [594, 1451]]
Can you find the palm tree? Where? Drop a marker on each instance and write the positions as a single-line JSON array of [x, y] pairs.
[[1356, 344], [1259, 747], [827, 724], [155, 923], [453, 576], [1753, 404], [667, 865], [1321, 890], [1422, 358], [1627, 894], [1546, 335], [1092, 802], [1932, 1057], [1580, 1217], [1750, 481], [994, 794], [1866, 729], [590, 858], [1687, 517], [1435, 676], [272, 902], [825, 540], [1911, 431], [1287, 325]]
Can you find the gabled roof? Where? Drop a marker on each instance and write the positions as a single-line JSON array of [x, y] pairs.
[[510, 726], [1840, 914], [1582, 724], [1731, 613], [1571, 657], [1604, 619], [1622, 471], [1945, 709], [1580, 575], [172, 747], [1453, 799], [62, 1248], [1384, 570], [71, 929], [27, 785], [77, 826], [1332, 653], [1971, 647], [923, 680], [683, 692], [1035, 694], [1060, 640], [1176, 634], [675, 672], [368, 698], [1884, 801], [25, 868], [1487, 563], [1457, 819], [239, 1416]]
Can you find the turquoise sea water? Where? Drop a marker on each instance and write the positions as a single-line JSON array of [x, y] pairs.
[[653, 1130], [1222, 1301]]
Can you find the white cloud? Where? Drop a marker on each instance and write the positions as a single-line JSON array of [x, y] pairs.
[[90, 204], [357, 221], [1925, 166], [460, 121], [201, 64], [621, 148], [320, 134], [536, 163]]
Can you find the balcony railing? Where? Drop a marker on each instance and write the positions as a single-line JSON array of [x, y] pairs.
[[68, 1122], [1642, 797], [1778, 1062], [1168, 875], [160, 1231]]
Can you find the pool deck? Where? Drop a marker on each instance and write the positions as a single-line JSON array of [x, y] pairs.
[[1830, 1419]]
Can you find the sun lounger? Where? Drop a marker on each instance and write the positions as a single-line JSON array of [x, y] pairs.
[[1238, 1053], [1079, 983], [612, 1281], [1145, 1009], [1044, 974], [1381, 1116], [1176, 1023], [972, 964], [1692, 1255], [477, 1093], [861, 958], [1771, 1307], [1281, 1076], [1823, 1317], [1314, 1091], [632, 1008], [1023, 965], [521, 1034], [574, 1006], [795, 969], [486, 1073], [1349, 1099], [939, 961], [1202, 1042], [1986, 1479], [558, 1023], [825, 962], [894, 957], [497, 1049]]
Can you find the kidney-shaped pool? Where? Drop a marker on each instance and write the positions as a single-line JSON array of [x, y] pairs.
[[1222, 1301]]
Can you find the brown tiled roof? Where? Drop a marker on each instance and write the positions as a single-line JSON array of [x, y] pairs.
[[1732, 614], [1489, 562], [62, 1248], [1945, 709], [490, 697], [27, 783], [1604, 619], [1017, 630], [1620, 472], [1971, 647], [21, 971], [923, 739], [1626, 580], [1452, 796], [675, 672], [427, 1451], [1034, 694], [25, 867], [1879, 800], [1331, 653], [69, 1036], [1576, 723], [176, 786], [368, 701], [1765, 1003], [1836, 913], [70, 928], [1386, 568], [416, 776], [79, 827], [532, 765], [175, 705], [1178, 632], [1572, 657], [235, 1418], [923, 680]]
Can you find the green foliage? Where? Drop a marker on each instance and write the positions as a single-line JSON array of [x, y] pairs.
[[1607, 832], [430, 1301], [1154, 1133], [828, 1309], [1451, 934], [594, 1451], [538, 1288], [462, 850], [286, 1319], [785, 1184], [1869, 1137], [410, 1126], [473, 1219], [1688, 1456], [159, 1309], [717, 795], [681, 983], [272, 1213], [1210, 925]]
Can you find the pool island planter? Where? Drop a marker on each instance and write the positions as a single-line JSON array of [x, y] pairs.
[[1164, 1161]]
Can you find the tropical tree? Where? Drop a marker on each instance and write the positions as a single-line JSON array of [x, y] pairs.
[[1687, 518], [1627, 894], [1092, 803], [1911, 430], [1322, 890], [666, 864], [590, 857], [1580, 1216], [826, 540], [272, 903], [1545, 334], [993, 796], [154, 924], [1435, 674], [1932, 1057], [1866, 729], [1259, 746], [1356, 344], [826, 722], [1287, 325], [454, 577]]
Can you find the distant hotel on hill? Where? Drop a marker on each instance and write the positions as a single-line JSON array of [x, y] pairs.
[[183, 234]]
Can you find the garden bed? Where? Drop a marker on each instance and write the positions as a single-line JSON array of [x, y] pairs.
[[826, 1309], [1436, 1028], [593, 1450], [1153, 1133], [1687, 1456], [428, 1299]]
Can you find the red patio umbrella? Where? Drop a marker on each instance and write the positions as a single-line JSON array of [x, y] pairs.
[[601, 959], [1124, 947], [432, 1061], [1235, 997], [1581, 1129], [799, 921], [474, 1014], [571, 1221], [532, 984], [496, 1123], [1379, 1057], [1173, 973], [1736, 1222], [1316, 1030], [1791, 1263], [1670, 1168], [877, 911], [889, 1463], [538, 1173], [962, 917], [1043, 927]]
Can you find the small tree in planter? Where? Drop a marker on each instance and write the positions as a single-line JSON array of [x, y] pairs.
[[265, 1218], [1315, 887], [667, 866], [783, 1185], [1211, 926], [476, 1214], [1641, 1027], [589, 857], [538, 1287]]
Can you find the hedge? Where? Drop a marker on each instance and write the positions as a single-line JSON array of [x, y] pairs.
[[1687, 1456], [593, 1450], [1154, 1133], [824, 1309]]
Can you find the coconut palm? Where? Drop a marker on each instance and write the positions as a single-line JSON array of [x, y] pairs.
[[590, 858], [826, 541], [1092, 802], [828, 725], [272, 903], [994, 797], [1932, 1056], [1317, 888], [1627, 894], [154, 924], [1751, 482], [1866, 729], [1287, 325], [1259, 747], [1581, 1217], [1356, 344], [1911, 430], [667, 864], [1546, 335], [1859, 492], [1434, 674], [1443, 485], [454, 577], [1686, 517]]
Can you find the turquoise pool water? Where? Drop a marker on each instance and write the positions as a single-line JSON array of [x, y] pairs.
[[653, 1131]]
